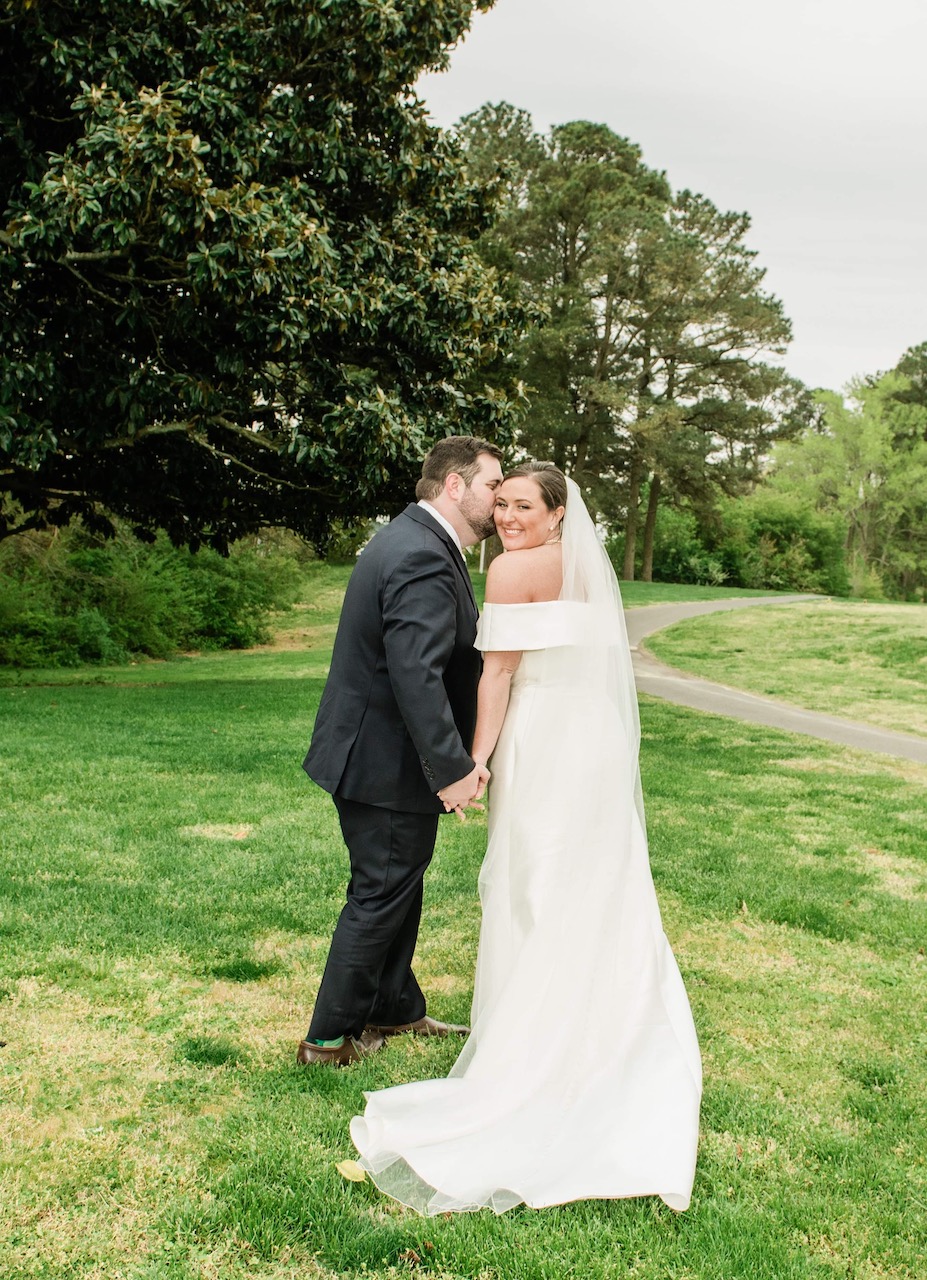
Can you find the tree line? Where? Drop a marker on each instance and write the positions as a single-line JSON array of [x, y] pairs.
[[245, 283], [657, 380], [654, 379]]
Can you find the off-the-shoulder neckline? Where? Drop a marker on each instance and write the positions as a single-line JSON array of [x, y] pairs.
[[532, 604]]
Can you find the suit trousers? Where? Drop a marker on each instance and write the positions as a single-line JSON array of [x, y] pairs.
[[368, 975]]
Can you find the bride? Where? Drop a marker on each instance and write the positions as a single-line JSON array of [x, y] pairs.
[[581, 1078]]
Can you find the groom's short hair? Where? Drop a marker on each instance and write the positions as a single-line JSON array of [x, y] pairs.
[[453, 454]]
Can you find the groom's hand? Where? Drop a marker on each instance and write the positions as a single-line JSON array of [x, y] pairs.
[[466, 792]]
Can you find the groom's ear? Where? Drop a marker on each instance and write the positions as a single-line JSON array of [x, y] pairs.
[[454, 485]]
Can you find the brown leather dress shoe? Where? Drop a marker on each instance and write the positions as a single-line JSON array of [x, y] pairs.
[[353, 1049], [423, 1027]]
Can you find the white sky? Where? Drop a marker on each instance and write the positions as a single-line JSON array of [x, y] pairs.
[[811, 115]]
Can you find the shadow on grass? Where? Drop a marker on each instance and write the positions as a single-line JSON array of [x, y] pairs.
[[211, 1051], [244, 969]]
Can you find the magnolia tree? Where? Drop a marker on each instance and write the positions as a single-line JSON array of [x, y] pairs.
[[238, 279]]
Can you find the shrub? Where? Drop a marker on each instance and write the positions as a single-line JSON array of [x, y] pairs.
[[765, 541], [865, 580], [66, 597], [679, 553], [774, 541]]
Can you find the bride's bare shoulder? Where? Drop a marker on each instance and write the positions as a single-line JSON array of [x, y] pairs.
[[523, 577]]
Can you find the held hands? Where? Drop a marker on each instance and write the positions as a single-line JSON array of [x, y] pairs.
[[465, 793]]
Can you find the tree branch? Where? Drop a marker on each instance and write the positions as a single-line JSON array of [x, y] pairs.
[[262, 475], [154, 429], [113, 302], [190, 430], [97, 255], [190, 427], [35, 521], [253, 437]]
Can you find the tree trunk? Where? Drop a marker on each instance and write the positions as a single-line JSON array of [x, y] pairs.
[[580, 451], [489, 548], [649, 526], [630, 528]]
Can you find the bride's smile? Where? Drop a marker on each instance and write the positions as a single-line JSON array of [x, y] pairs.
[[522, 518]]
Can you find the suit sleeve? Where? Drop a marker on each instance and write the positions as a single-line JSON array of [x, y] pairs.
[[419, 635]]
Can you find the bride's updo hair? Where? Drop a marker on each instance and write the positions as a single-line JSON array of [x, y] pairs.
[[549, 479]]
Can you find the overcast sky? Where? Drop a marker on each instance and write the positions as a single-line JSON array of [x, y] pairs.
[[811, 115]]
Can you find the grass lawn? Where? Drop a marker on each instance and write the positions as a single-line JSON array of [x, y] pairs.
[[850, 658], [169, 880], [634, 594]]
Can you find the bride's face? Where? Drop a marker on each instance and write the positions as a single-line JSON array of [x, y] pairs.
[[523, 519]]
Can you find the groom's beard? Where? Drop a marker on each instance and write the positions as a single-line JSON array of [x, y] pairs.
[[480, 521], [483, 525]]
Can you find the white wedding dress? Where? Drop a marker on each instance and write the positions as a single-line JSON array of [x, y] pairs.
[[581, 1078]]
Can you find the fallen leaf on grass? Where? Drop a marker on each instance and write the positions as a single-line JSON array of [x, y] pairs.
[[351, 1170]]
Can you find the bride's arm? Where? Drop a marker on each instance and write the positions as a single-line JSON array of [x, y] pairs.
[[507, 582], [492, 699]]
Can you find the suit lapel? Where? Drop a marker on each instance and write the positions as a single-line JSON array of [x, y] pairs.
[[421, 516]]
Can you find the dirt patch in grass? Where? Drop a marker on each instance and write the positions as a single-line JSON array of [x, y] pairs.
[[860, 766], [900, 877], [288, 639], [219, 830]]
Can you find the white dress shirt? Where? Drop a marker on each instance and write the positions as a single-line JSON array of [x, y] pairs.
[[445, 524]]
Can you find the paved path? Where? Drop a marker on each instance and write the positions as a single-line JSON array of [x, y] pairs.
[[660, 681]]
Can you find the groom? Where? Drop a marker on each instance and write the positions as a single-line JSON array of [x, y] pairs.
[[391, 744]]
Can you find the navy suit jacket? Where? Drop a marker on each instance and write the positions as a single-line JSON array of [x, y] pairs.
[[399, 707]]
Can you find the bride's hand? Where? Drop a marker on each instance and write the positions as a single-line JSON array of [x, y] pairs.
[[466, 792], [484, 776]]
